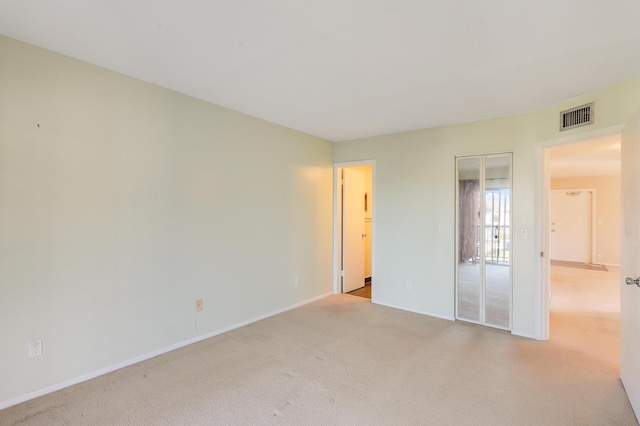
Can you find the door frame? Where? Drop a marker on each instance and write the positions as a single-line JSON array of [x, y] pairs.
[[337, 234], [481, 237], [542, 223], [592, 206]]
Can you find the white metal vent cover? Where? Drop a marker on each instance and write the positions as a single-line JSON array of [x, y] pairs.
[[577, 117]]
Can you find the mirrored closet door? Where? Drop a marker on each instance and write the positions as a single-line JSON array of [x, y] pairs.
[[483, 240]]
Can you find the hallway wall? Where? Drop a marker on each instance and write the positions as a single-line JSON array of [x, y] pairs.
[[607, 212]]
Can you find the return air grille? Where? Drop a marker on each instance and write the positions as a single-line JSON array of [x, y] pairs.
[[576, 117]]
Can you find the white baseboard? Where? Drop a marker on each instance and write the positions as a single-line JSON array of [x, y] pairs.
[[149, 355], [515, 333], [416, 311]]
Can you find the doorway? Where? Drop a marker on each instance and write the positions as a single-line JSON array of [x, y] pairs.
[[483, 239], [584, 241], [572, 236], [354, 229]]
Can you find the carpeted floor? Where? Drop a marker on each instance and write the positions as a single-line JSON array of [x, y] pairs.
[[585, 312], [346, 361]]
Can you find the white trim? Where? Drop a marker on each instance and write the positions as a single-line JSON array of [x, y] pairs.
[[149, 355], [594, 229], [337, 207], [541, 243], [581, 136], [415, 311], [541, 222], [482, 237]]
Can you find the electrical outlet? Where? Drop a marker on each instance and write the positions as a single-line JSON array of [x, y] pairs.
[[297, 281], [599, 257], [198, 305], [34, 348]]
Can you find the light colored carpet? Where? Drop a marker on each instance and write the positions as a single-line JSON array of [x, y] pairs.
[[585, 312], [346, 361]]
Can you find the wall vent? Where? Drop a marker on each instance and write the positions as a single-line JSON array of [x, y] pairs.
[[577, 117]]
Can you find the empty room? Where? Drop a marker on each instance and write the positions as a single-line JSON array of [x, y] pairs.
[[176, 186]]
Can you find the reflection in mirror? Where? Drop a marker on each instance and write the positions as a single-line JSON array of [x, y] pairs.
[[469, 278], [497, 254]]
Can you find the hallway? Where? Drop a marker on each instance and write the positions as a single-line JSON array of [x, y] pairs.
[[585, 312]]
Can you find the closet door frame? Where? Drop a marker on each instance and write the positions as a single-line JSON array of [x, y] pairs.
[[482, 238]]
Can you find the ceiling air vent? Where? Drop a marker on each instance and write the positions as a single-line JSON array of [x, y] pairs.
[[577, 117]]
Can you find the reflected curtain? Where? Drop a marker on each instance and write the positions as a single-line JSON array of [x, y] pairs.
[[469, 199]]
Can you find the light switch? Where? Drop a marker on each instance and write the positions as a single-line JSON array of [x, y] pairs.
[[524, 233]]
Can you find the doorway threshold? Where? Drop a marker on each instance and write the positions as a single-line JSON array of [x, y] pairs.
[[362, 291]]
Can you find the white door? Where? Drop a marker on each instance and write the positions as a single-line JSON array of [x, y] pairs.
[[352, 230], [570, 237], [630, 264]]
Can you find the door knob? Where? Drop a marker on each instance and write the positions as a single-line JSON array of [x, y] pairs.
[[631, 281]]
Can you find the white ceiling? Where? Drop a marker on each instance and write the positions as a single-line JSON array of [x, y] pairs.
[[595, 157], [343, 69]]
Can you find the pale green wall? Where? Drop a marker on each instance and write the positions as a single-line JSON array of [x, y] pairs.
[[131, 201], [614, 105], [415, 186], [415, 175], [128, 203]]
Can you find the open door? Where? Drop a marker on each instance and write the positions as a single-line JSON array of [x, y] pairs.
[[630, 263], [352, 229]]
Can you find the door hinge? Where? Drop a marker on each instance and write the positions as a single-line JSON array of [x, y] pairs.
[[541, 254]]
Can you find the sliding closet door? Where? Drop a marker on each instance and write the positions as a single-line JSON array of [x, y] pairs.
[[497, 255], [469, 237], [484, 240]]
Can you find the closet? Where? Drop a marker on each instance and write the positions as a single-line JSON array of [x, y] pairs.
[[483, 239]]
